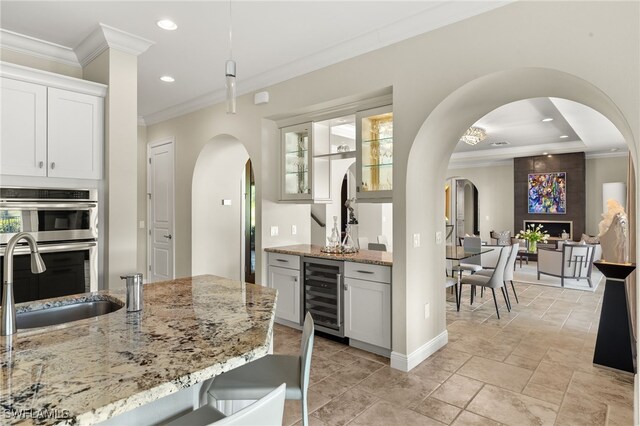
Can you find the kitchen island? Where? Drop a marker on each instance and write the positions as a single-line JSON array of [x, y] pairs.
[[88, 371]]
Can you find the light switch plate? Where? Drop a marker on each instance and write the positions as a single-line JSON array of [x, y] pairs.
[[141, 224], [416, 240], [274, 231], [294, 230], [439, 237], [427, 311]]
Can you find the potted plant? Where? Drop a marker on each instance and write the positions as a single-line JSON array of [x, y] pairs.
[[533, 234]]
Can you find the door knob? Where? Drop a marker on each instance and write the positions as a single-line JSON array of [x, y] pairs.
[[167, 236], [41, 164]]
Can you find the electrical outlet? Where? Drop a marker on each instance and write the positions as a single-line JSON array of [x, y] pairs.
[[416, 240], [427, 311], [439, 237], [294, 230], [274, 231]]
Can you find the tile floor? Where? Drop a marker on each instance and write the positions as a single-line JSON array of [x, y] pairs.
[[531, 367]]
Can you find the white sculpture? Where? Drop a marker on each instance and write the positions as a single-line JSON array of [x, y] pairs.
[[614, 233]]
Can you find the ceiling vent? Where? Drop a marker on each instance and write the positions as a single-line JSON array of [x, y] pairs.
[[503, 143]]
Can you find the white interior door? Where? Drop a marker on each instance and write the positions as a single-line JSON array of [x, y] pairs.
[[160, 181]]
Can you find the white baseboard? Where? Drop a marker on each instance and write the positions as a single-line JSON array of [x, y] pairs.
[[408, 362]]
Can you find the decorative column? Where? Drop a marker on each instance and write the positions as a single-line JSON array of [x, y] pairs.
[[615, 347]]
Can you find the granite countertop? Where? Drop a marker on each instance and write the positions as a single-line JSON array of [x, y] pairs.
[[373, 257], [190, 330]]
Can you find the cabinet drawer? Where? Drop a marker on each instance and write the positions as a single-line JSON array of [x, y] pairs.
[[284, 260], [365, 271]]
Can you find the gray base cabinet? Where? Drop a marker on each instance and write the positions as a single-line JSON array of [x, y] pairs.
[[367, 304], [284, 276]]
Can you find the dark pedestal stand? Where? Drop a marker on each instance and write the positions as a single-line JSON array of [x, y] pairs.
[[614, 345]]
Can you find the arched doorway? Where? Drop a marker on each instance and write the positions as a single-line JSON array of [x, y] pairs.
[[427, 166], [218, 209]]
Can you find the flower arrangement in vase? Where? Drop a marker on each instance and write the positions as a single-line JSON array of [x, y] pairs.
[[533, 234]]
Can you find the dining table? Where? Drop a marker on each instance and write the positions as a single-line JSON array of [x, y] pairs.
[[460, 253]]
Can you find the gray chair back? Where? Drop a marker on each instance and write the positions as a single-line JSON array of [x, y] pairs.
[[511, 261], [577, 260], [306, 351], [472, 243], [267, 411], [497, 278], [377, 247]]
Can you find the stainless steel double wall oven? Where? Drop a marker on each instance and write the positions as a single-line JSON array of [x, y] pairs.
[[64, 222]]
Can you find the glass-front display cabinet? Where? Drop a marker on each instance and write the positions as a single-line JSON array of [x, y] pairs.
[[302, 174], [374, 157]]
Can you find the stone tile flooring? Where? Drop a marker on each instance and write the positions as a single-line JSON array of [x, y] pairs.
[[531, 367]]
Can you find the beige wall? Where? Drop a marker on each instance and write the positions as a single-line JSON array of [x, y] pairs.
[[141, 261], [119, 71], [599, 171], [442, 82], [495, 192], [40, 63], [217, 230]]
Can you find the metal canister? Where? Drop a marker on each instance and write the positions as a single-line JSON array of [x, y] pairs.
[[134, 291]]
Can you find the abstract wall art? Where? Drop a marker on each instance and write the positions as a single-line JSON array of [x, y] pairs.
[[548, 193]]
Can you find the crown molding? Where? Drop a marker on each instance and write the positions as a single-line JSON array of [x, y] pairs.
[[105, 37], [50, 79], [440, 14], [38, 48]]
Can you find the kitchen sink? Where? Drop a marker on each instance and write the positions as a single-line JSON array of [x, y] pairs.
[[66, 313]]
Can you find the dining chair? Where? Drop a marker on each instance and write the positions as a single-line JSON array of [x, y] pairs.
[[472, 264], [377, 247], [267, 411], [496, 280], [257, 378], [508, 271], [363, 243], [452, 282]]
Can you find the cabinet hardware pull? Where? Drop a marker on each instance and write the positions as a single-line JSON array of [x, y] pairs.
[[53, 165], [282, 260], [364, 272], [295, 279], [41, 164], [168, 236]]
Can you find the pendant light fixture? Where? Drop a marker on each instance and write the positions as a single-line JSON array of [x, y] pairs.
[[230, 72]]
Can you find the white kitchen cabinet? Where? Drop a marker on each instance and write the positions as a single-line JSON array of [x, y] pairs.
[[75, 134], [367, 306], [52, 125], [286, 279], [23, 133]]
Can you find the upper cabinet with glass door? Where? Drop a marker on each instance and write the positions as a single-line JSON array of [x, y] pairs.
[[304, 178], [374, 133]]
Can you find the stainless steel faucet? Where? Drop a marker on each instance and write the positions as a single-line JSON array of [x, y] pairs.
[[8, 325]]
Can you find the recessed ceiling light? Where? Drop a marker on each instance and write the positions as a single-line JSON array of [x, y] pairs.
[[167, 79], [167, 24], [614, 149], [547, 119], [564, 137], [549, 155], [544, 153]]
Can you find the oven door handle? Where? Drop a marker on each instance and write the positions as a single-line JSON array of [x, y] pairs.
[[48, 206], [52, 248]]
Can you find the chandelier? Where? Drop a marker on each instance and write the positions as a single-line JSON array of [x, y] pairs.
[[473, 135]]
